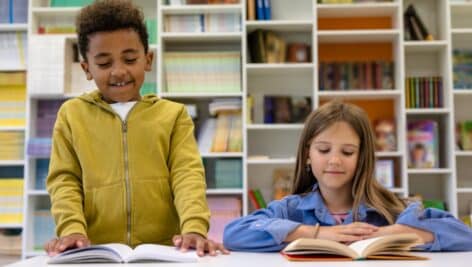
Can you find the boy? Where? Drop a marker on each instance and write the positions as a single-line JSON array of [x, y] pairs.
[[124, 168]]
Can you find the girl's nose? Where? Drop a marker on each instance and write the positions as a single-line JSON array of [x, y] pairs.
[[334, 160]]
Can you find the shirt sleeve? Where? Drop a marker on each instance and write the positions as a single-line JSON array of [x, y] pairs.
[[64, 182], [450, 234], [264, 230], [187, 177]]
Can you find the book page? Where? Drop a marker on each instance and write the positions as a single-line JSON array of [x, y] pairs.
[[318, 246], [360, 246], [99, 253], [151, 252], [385, 244]]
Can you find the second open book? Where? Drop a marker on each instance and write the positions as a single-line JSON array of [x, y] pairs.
[[389, 247], [119, 253]]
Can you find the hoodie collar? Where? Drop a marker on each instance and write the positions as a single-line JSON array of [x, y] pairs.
[[95, 97]]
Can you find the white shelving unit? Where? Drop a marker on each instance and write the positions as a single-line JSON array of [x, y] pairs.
[[267, 147]]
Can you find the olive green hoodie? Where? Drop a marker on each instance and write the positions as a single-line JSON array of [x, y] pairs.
[[137, 181]]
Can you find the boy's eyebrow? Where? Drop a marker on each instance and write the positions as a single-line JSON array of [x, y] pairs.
[[105, 54]]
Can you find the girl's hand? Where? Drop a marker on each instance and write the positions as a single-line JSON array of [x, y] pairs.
[[347, 233], [198, 242], [58, 245]]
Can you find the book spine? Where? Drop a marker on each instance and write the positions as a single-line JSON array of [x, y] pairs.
[[259, 198], [253, 199]]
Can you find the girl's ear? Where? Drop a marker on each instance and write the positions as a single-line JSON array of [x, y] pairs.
[[149, 59], [85, 68]]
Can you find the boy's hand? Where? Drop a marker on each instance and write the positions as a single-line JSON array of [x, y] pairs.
[[198, 242], [347, 233], [58, 245]]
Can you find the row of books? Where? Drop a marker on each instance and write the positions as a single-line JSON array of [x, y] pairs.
[[12, 98], [221, 134], [215, 71], [462, 68], [11, 145], [424, 92], [10, 242], [43, 228], [415, 28], [268, 47], [13, 11], [351, 1], [199, 2], [69, 3], [356, 75], [11, 200], [257, 199], [41, 169], [39, 147], [46, 114], [286, 109], [13, 50], [464, 135], [259, 10], [211, 22], [223, 173]]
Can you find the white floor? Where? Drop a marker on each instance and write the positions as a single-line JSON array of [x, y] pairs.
[[6, 259]]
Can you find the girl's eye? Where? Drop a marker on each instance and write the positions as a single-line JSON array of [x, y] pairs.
[[348, 153], [323, 151]]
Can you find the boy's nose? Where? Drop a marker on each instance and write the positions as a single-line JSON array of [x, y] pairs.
[[118, 71]]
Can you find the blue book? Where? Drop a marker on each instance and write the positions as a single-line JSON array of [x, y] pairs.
[[267, 10], [260, 10]]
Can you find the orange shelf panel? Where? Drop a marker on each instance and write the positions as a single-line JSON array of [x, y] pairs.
[[355, 23], [342, 52]]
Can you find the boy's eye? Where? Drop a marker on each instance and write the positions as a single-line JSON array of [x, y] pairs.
[[103, 65], [130, 60]]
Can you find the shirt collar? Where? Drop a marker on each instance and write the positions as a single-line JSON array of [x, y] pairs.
[[314, 201]]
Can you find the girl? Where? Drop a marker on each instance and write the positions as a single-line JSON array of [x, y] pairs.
[[335, 195]]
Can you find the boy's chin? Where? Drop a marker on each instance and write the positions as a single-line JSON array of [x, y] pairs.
[[114, 98]]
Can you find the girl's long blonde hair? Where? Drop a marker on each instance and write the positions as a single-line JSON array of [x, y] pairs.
[[365, 187]]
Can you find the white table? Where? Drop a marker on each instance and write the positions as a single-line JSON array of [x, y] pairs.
[[244, 259]]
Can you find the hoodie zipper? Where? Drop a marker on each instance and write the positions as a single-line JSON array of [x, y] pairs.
[[124, 127]]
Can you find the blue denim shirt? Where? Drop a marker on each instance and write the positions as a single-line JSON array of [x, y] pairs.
[[266, 229]]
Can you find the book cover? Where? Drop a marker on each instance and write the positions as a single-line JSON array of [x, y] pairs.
[[389, 247], [385, 136], [423, 144], [384, 172]]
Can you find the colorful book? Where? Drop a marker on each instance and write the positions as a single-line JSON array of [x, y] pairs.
[[423, 144]]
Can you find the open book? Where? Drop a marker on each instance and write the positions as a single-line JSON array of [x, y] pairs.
[[119, 253], [389, 247]]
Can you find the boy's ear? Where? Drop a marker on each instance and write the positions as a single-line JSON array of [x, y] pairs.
[[149, 59], [85, 68]]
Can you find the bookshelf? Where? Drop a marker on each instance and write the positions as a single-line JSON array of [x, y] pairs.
[[13, 40], [338, 33]]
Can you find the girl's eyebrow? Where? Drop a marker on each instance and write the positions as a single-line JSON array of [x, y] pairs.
[[328, 143]]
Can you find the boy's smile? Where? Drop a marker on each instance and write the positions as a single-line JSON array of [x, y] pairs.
[[116, 61]]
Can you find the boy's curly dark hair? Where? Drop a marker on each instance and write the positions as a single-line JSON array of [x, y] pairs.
[[109, 15]]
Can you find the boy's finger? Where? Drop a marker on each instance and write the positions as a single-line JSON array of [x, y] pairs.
[[177, 240], [200, 247], [185, 244]]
